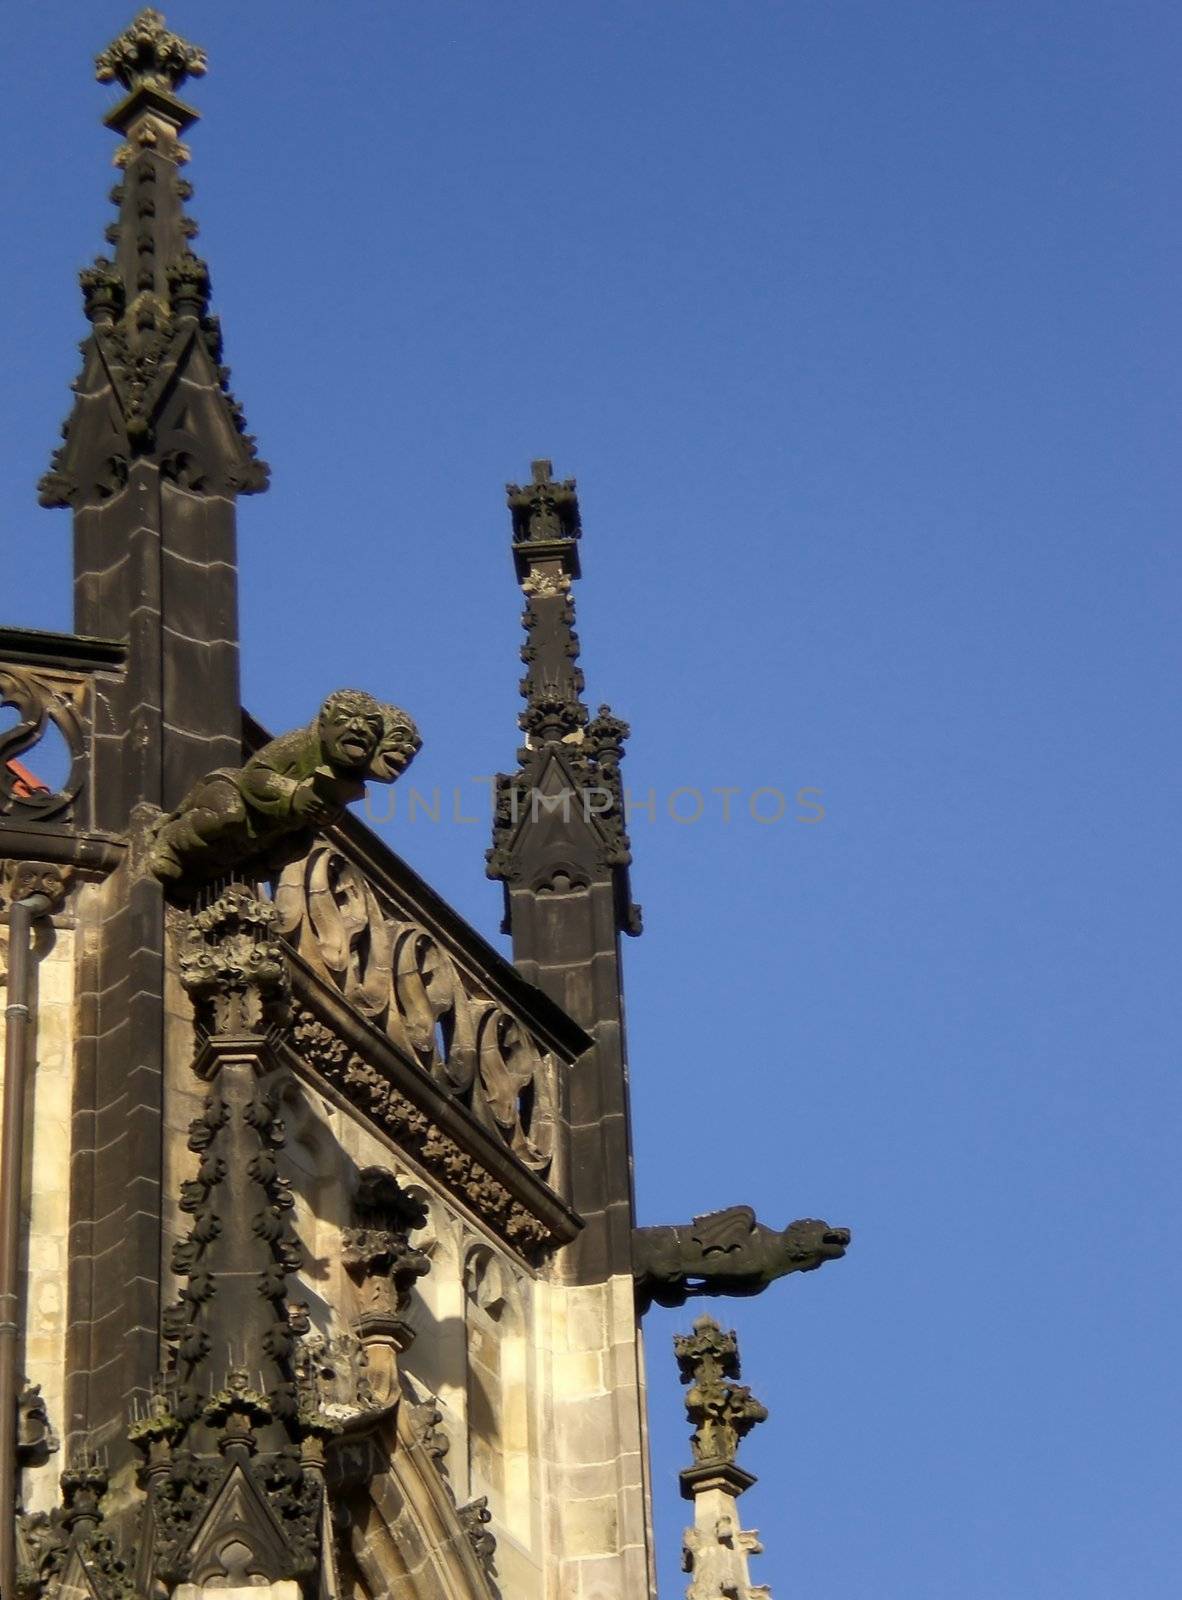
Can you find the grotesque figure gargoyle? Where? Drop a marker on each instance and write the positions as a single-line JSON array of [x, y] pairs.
[[727, 1252], [297, 782]]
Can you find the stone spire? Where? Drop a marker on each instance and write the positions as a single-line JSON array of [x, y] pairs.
[[560, 848], [569, 766], [148, 304], [155, 451], [153, 459], [233, 1460], [716, 1549]]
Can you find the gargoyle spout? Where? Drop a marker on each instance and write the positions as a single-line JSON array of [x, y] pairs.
[[727, 1252], [298, 782]]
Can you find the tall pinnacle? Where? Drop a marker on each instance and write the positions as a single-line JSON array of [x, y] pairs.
[[570, 762], [148, 304], [716, 1548]]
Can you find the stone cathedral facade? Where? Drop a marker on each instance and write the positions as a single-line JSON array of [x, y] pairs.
[[320, 1274]]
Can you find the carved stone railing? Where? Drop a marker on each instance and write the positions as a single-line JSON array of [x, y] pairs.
[[433, 1007], [47, 697], [42, 697]]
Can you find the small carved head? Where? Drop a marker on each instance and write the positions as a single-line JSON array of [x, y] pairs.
[[21, 880], [398, 746], [351, 725], [808, 1243]]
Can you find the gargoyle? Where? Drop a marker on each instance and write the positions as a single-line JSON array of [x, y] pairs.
[[297, 782], [727, 1252]]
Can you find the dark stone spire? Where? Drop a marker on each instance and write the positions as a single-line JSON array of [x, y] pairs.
[[148, 304], [225, 1435], [560, 847], [153, 460], [569, 765]]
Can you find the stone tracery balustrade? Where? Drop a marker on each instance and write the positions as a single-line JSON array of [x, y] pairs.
[[41, 699], [396, 974]]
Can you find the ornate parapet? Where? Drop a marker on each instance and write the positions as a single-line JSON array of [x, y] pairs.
[[42, 699], [398, 974], [427, 1032], [48, 697]]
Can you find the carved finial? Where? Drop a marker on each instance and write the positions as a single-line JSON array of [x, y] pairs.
[[723, 1412], [716, 1548], [234, 966], [377, 1251], [544, 510], [555, 721], [147, 55], [384, 1264], [706, 1355], [143, 299], [84, 1483]]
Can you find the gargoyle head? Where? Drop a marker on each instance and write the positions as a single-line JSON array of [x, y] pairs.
[[398, 746], [808, 1243], [350, 726]]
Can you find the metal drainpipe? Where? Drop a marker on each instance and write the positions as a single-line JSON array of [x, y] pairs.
[[17, 1038]]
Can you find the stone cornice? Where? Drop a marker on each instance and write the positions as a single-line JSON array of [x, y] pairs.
[[70, 652]]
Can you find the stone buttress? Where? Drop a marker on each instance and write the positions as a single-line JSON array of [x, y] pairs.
[[561, 850], [153, 458]]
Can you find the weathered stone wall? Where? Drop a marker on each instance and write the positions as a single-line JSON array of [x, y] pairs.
[[596, 1495], [45, 1189], [536, 1381]]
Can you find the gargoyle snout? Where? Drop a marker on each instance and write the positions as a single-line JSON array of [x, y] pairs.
[[837, 1239]]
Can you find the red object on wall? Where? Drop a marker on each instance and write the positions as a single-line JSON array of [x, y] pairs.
[[27, 783]]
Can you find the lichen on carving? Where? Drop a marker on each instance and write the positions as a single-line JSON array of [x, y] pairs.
[[295, 783]]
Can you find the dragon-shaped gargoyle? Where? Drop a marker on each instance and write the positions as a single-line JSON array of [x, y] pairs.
[[298, 782], [727, 1252]]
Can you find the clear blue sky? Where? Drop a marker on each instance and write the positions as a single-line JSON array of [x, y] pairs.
[[858, 323]]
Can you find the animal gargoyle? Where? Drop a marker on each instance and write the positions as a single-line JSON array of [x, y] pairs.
[[727, 1252]]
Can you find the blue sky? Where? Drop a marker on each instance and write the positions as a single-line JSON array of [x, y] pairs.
[[858, 324]]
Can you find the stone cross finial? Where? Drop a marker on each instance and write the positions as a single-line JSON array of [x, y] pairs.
[[146, 54], [707, 1354], [723, 1412], [544, 509]]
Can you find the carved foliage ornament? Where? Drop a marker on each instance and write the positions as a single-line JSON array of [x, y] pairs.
[[233, 966], [368, 1088], [398, 976], [147, 53], [723, 1412], [40, 699]]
